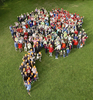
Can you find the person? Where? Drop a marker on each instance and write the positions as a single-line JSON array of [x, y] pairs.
[[75, 43], [28, 86], [46, 47], [67, 51], [64, 53], [28, 70], [63, 47], [20, 46], [56, 53], [21, 68], [37, 75], [40, 55], [51, 49], [34, 69], [61, 53], [16, 45], [25, 47], [37, 48], [25, 77], [29, 46]]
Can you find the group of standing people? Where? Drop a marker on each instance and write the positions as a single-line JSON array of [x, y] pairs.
[[32, 32], [28, 69]]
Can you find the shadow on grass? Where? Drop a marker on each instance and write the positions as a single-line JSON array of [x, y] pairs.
[[36, 85]]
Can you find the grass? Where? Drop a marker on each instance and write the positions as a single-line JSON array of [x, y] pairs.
[[63, 79]]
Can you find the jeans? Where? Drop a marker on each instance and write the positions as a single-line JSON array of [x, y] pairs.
[[50, 54], [78, 46], [63, 55], [56, 56]]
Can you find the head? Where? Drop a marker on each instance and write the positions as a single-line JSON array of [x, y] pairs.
[[30, 49], [40, 53], [21, 64], [34, 66]]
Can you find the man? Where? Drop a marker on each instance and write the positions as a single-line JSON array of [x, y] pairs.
[[56, 53], [21, 68], [25, 77], [28, 70], [34, 69], [28, 86], [37, 49], [39, 55]]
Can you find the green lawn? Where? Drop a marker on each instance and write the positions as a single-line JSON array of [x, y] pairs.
[[69, 78]]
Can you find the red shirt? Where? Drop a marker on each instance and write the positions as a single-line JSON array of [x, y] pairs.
[[63, 46], [20, 45], [25, 37], [51, 49], [75, 42], [26, 33], [26, 26], [28, 70], [19, 30], [76, 32]]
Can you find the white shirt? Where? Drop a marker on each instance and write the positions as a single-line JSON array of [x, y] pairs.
[[34, 70]]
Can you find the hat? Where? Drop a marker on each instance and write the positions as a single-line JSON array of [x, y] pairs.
[[36, 72], [28, 58], [31, 73], [34, 66], [21, 64], [31, 49], [23, 69], [25, 72], [27, 66], [25, 54], [28, 83], [39, 52], [28, 53], [34, 76], [28, 78]]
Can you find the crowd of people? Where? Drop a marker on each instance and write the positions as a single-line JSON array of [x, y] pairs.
[[32, 32], [28, 69]]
